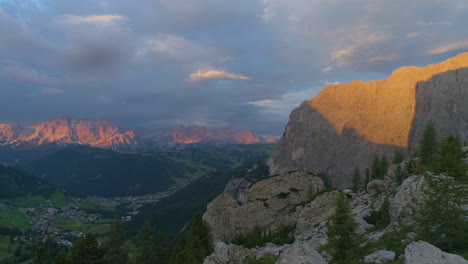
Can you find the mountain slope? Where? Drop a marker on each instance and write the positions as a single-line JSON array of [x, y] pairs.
[[346, 126], [68, 131], [15, 183], [198, 135], [101, 172]]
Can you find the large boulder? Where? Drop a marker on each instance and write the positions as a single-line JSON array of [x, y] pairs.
[[231, 254], [380, 256], [314, 216], [267, 204], [403, 204], [300, 253], [424, 253]]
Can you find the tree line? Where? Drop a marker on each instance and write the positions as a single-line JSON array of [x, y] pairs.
[[151, 247]]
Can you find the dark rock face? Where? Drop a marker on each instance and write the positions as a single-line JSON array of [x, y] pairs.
[[346, 126]]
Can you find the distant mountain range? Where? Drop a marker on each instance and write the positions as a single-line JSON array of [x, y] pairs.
[[67, 131]]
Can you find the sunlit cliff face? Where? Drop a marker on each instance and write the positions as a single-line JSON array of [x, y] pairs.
[[380, 111]]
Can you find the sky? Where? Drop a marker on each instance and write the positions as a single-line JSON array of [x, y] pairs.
[[239, 63]]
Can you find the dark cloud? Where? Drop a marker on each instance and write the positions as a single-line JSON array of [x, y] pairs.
[[242, 63]]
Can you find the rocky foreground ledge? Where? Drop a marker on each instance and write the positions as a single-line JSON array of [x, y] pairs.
[[301, 201]]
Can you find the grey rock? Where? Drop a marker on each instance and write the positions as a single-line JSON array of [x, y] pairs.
[[403, 204], [376, 187], [231, 254], [300, 253], [268, 204], [380, 256], [316, 213], [424, 253]]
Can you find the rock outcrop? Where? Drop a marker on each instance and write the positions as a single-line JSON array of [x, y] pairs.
[[380, 256], [301, 252], [346, 125], [268, 204], [424, 253], [68, 131]]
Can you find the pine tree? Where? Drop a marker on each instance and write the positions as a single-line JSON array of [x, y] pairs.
[[198, 244], [376, 171], [368, 177], [398, 157], [356, 180], [62, 258], [162, 249], [399, 174], [343, 239], [440, 218], [147, 248], [116, 247], [428, 144], [41, 256], [383, 166], [449, 158], [86, 251], [384, 215]]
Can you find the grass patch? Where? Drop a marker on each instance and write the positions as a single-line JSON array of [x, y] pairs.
[[61, 199], [28, 201], [71, 224], [257, 238], [14, 218]]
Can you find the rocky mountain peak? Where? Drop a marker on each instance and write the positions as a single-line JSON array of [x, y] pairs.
[[347, 125], [68, 130]]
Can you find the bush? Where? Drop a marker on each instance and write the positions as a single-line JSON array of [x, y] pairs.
[[257, 238], [380, 218]]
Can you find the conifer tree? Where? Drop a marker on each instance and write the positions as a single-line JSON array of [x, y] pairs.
[[86, 251], [399, 174], [147, 248], [198, 244], [62, 258], [449, 158], [356, 180], [367, 177], [428, 144], [441, 219], [342, 233], [376, 171], [384, 215], [398, 157], [41, 256], [116, 247], [383, 166], [162, 249]]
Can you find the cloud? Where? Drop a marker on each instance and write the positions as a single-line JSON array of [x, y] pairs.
[[52, 91], [215, 75], [327, 69], [264, 102], [383, 58], [91, 19], [413, 35], [24, 75], [332, 83], [447, 47], [174, 48], [361, 47]]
